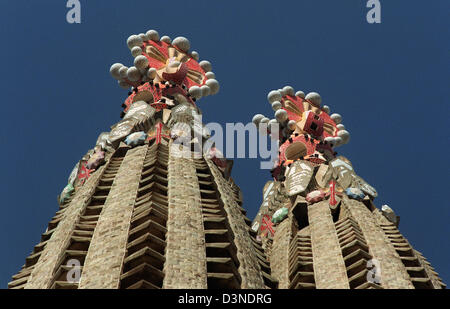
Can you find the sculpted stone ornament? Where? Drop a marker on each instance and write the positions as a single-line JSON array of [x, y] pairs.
[[315, 196], [96, 159], [136, 139], [280, 215], [355, 193], [342, 171], [323, 175], [298, 176], [66, 193], [364, 186], [74, 174], [120, 131], [390, 214]]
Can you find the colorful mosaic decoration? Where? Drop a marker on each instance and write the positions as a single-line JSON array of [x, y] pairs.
[[280, 215], [267, 226], [136, 139], [84, 174], [97, 159], [66, 193], [355, 193], [308, 168]]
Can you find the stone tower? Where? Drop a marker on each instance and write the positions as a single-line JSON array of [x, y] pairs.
[[318, 223], [148, 207]]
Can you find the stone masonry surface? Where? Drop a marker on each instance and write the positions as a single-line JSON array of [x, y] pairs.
[[42, 274], [393, 272], [329, 267], [103, 265], [279, 260], [249, 268], [185, 266]]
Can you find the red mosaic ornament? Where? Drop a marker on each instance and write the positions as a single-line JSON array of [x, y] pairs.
[[313, 125], [267, 225], [84, 174], [158, 106], [161, 54], [308, 147], [158, 133], [315, 159], [152, 94], [332, 200], [296, 106]]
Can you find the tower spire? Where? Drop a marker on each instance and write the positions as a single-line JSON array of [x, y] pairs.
[[325, 229], [146, 208]]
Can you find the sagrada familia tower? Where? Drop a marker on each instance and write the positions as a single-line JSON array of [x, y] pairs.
[[147, 208]]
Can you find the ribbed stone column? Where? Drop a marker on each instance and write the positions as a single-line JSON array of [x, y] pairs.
[[103, 265], [42, 274], [185, 266], [279, 259], [393, 272], [249, 268], [435, 280], [329, 267]]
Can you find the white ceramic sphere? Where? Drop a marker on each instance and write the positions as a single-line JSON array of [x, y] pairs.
[[133, 74], [182, 43], [257, 118], [273, 96], [210, 75], [281, 115], [300, 94], [336, 118], [276, 105], [153, 35], [288, 90], [141, 62], [134, 40], [196, 92], [195, 55], [123, 72], [151, 73], [205, 65], [166, 39], [136, 51], [114, 70], [344, 135], [314, 98], [206, 91], [213, 85], [143, 37]]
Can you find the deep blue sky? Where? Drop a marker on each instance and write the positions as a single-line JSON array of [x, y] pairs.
[[388, 81]]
